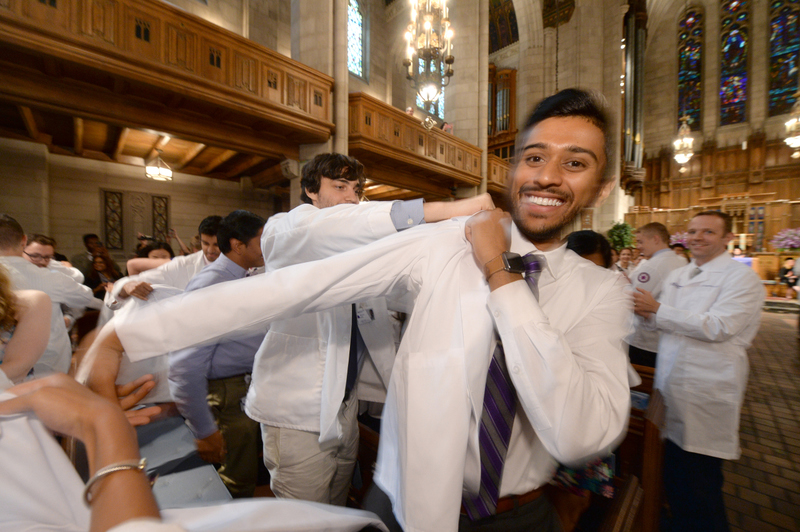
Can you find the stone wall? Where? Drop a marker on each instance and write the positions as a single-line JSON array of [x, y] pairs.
[[62, 196]]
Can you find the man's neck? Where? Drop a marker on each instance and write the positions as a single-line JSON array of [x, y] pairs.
[[6, 252], [237, 260], [706, 261]]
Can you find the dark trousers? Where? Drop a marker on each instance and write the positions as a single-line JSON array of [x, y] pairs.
[[536, 516], [693, 485], [641, 357]]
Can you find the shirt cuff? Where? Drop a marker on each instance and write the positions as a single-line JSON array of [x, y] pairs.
[[406, 214], [515, 305]]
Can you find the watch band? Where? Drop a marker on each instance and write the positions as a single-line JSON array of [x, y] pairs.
[[493, 266]]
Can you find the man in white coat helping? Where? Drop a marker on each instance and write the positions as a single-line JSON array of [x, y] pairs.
[[562, 329], [304, 376], [708, 314]]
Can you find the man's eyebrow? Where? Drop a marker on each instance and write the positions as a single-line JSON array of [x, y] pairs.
[[572, 148]]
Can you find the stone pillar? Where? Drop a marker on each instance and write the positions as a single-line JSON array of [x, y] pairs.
[[342, 76], [549, 55], [313, 45], [25, 182], [483, 92]]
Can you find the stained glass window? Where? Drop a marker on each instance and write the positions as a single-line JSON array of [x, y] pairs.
[[733, 82], [160, 218], [690, 62], [355, 39], [436, 107], [113, 219], [784, 42]]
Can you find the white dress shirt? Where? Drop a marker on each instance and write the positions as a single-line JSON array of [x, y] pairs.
[[62, 290], [176, 273], [707, 322], [650, 275], [566, 356]]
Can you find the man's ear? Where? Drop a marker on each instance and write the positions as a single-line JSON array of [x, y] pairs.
[[314, 196], [603, 192], [24, 241], [237, 246]]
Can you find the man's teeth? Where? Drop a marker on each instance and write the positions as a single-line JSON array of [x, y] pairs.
[[547, 202]]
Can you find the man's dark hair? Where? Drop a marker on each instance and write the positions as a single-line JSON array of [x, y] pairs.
[[11, 233], [655, 229], [587, 242], [241, 225], [332, 166], [89, 236], [724, 216], [210, 225], [589, 105], [42, 239]]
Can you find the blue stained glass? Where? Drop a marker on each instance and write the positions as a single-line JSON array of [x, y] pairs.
[[784, 44], [437, 106], [690, 62], [733, 75], [355, 39]]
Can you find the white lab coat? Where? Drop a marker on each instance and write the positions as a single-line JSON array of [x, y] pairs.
[[707, 322], [176, 273], [429, 435], [650, 275], [300, 369]]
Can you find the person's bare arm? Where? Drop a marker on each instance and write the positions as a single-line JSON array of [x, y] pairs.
[[66, 407], [436, 211], [30, 335], [140, 289], [139, 265], [184, 249]]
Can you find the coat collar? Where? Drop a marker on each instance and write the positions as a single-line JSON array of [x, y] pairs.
[[554, 257], [716, 264]]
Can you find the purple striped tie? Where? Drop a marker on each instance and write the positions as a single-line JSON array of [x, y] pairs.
[[497, 419]]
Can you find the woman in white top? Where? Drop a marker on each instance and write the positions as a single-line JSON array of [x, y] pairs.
[[624, 264]]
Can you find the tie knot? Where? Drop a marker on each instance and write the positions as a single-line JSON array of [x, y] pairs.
[[533, 263], [695, 273]]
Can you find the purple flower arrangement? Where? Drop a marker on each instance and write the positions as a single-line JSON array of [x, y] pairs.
[[679, 238], [786, 239]]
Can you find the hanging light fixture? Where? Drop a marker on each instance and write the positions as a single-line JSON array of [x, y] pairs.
[[793, 127], [157, 169], [429, 57], [683, 144]]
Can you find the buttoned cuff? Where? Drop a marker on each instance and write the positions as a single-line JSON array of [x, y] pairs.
[[406, 214]]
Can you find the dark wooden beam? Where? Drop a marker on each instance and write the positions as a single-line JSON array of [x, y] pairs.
[[162, 141], [247, 163], [120, 145], [268, 177], [189, 156], [30, 123], [218, 160], [77, 144]]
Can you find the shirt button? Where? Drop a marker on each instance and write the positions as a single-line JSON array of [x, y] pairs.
[[496, 313], [410, 221], [516, 369]]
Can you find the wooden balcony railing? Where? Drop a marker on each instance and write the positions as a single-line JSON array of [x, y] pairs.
[[498, 171], [401, 152], [146, 49]]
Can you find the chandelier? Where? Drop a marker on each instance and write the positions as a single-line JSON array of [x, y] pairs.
[[793, 127], [683, 144], [157, 169], [429, 57]]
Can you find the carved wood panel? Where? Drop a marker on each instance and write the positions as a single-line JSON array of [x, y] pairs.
[[297, 95], [99, 20], [142, 34], [273, 84], [181, 48], [214, 61], [245, 73], [55, 13]]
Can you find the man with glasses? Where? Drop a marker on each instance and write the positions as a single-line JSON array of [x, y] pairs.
[[41, 251], [33, 274]]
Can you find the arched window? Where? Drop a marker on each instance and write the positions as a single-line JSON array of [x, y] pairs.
[[690, 62], [356, 29], [784, 42], [733, 82]]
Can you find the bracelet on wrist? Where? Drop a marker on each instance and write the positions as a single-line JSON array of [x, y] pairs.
[[137, 465]]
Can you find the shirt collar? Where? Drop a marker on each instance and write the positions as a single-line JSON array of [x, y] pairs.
[[229, 265], [717, 264], [553, 258], [659, 252]]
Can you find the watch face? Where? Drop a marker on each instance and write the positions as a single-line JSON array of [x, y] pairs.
[[513, 263]]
